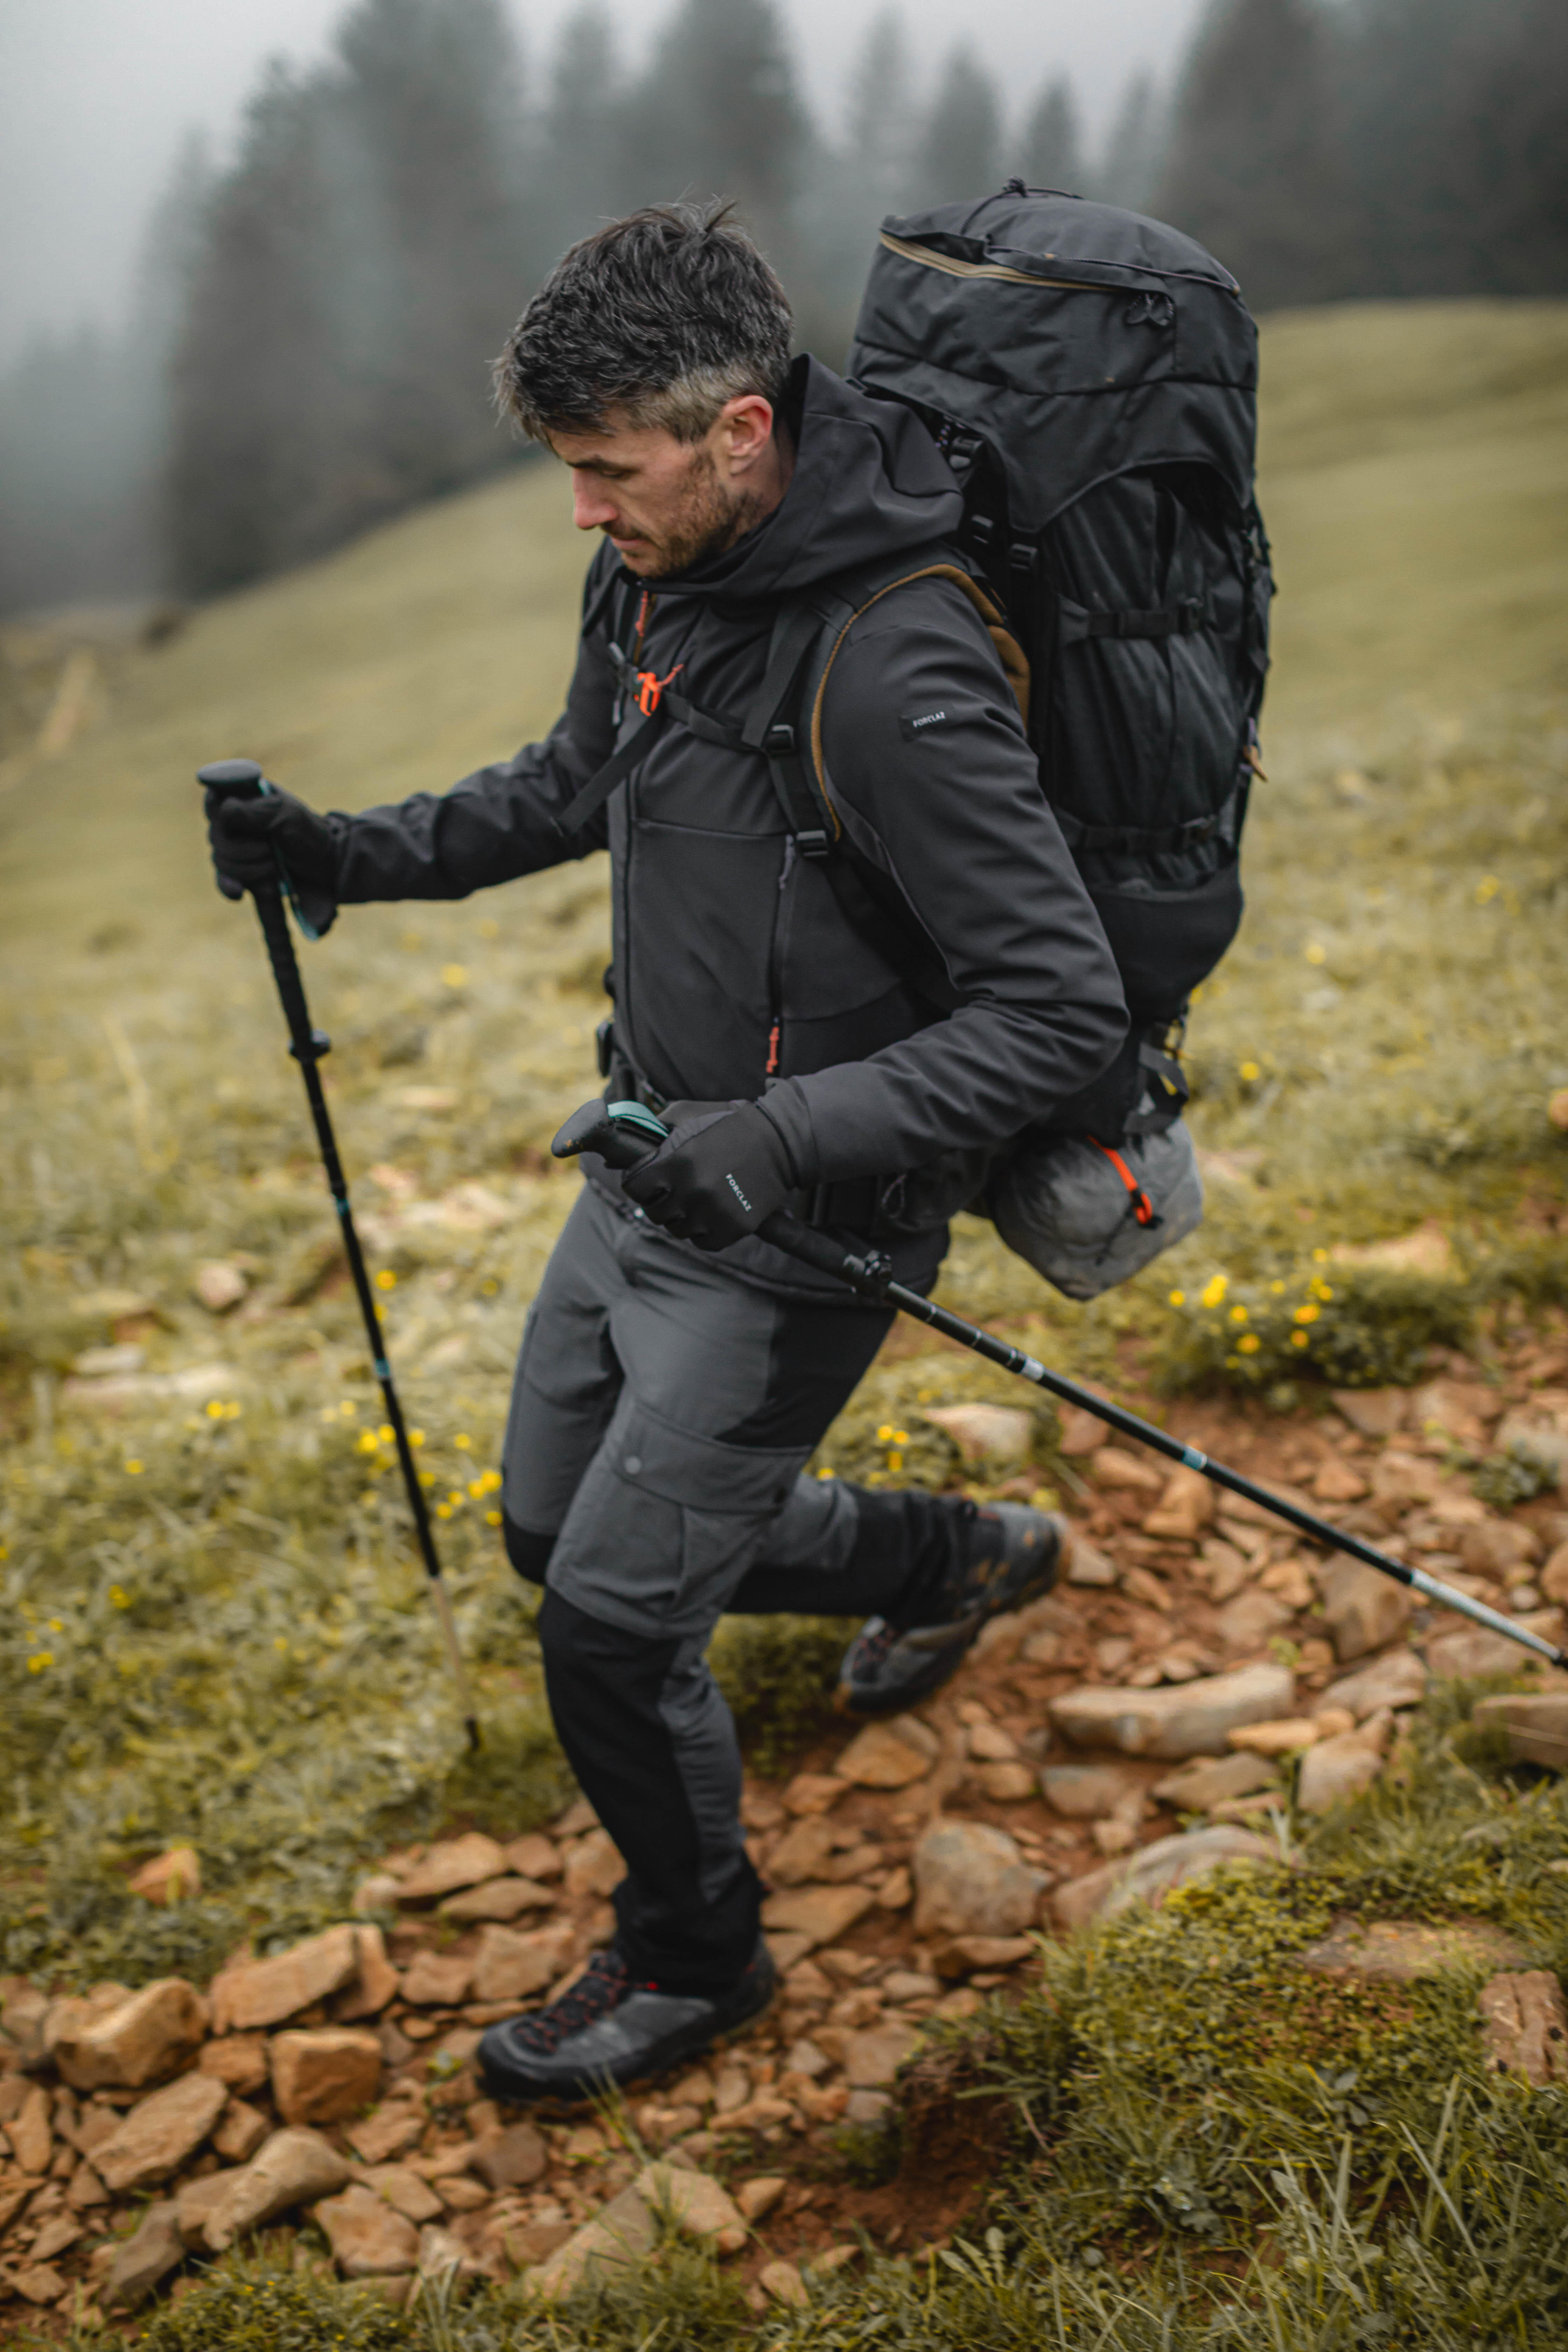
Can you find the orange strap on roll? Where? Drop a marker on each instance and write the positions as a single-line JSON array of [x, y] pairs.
[[1142, 1207]]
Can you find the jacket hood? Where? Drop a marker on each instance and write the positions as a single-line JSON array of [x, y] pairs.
[[868, 482]]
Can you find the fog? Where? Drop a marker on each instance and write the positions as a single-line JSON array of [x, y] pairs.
[[96, 97]]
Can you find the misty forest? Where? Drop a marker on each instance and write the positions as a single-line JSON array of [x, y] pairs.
[[308, 347], [1187, 1972]]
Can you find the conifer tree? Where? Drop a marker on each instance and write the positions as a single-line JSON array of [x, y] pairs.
[[1051, 150], [960, 150], [1130, 164]]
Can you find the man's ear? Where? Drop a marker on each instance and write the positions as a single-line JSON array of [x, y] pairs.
[[745, 430]]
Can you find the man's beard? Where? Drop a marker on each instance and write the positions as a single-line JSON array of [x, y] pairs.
[[713, 520]]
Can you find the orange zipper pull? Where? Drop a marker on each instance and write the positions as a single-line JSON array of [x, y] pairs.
[[773, 1061]]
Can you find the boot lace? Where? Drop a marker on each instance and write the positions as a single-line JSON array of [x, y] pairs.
[[603, 1986]]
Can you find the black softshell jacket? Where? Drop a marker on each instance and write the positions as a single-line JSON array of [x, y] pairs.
[[736, 974]]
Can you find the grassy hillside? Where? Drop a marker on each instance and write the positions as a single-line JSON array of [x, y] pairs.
[[216, 1628]]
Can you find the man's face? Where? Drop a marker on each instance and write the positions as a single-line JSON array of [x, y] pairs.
[[665, 504]]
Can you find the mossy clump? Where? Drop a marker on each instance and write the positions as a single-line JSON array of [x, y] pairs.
[[778, 1674]]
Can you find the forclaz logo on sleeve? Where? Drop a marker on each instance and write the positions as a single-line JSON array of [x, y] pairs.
[[913, 724]]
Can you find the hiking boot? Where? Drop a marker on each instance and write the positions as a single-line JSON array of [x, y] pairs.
[[1013, 1554], [610, 2027]]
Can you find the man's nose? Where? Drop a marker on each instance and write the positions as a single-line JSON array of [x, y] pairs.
[[591, 510]]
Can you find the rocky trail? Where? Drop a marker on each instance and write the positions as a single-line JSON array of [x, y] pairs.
[[1199, 1682]]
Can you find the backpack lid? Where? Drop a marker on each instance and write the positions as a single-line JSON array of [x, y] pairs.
[[1078, 341]]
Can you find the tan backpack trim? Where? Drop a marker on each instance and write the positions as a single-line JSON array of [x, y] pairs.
[[1015, 662]]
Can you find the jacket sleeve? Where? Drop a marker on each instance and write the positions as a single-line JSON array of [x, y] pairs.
[[932, 777], [501, 820]]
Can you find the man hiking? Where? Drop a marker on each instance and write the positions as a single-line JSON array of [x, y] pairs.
[[676, 1372]]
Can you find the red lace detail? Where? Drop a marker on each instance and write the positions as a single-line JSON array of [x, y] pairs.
[[603, 1986]]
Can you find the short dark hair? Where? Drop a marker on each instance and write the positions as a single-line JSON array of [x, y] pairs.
[[665, 315]]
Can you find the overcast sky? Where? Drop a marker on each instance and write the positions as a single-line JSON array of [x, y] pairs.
[[96, 96]]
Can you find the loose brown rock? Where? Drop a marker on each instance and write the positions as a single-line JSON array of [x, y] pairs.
[[498, 1898], [376, 1983], [971, 1880], [594, 1866], [295, 2167], [1198, 1788], [1150, 1874], [394, 2126], [137, 2041], [1089, 1566], [1339, 1482], [1252, 1620], [1533, 1723], [1187, 1719], [325, 2075], [1004, 1784], [240, 2061], [872, 2058], [509, 1965], [1375, 1412], [161, 2133], [1472, 1652], [40, 2282], [219, 1285], [405, 2190], [511, 2159], [998, 1433], [889, 1755], [266, 1992], [196, 2201], [757, 2196], [1399, 1679], [458, 1862], [813, 1792], [144, 2261], [28, 2131], [962, 1955], [618, 2235], [699, 2205], [1087, 1792], [1282, 1738], [241, 2130], [533, 1856], [169, 1878], [1498, 1547], [1339, 1768], [821, 1914], [1366, 1611], [803, 1853], [1185, 1509], [368, 2239], [438, 1980], [1113, 1466], [1526, 2026]]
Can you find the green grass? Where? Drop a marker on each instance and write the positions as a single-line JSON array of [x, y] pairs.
[[216, 1628]]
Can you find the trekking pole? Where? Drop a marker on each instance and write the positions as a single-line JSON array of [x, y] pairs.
[[624, 1132], [243, 780]]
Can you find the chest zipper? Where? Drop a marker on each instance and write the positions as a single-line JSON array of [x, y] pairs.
[[776, 962]]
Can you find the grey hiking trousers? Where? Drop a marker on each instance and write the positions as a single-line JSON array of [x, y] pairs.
[[661, 1417]]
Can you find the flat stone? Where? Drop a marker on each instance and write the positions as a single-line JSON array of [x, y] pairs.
[[1339, 1482], [1087, 1792], [266, 1992], [161, 2133], [889, 1755], [1543, 1444], [218, 1285], [405, 2190], [1184, 1719], [511, 2159], [1366, 1611], [376, 1983], [1533, 1723], [325, 2074], [1185, 1507], [823, 1914], [1496, 1547], [595, 1866], [620, 2233], [1150, 1874], [813, 1792], [1088, 1566], [137, 2041], [295, 2167], [144, 2261], [173, 1876], [240, 2059], [396, 2124], [1525, 2026], [511, 1964], [997, 1432], [39, 2282], [802, 1855], [533, 1855], [458, 1862], [498, 1898], [873, 2056], [1374, 1412], [1472, 1652], [536, 2241], [1113, 1466], [1401, 1951], [698, 2206], [1217, 1780], [781, 2280], [1252, 1620], [959, 1955], [757, 2196], [1398, 1679], [1283, 1736], [368, 2238], [1005, 1784], [195, 2201], [30, 2134], [241, 2128], [1341, 1768], [438, 1980], [971, 1880]]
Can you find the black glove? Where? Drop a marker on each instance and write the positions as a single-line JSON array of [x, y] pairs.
[[248, 837], [723, 1170]]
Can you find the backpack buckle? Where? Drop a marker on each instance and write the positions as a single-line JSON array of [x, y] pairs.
[[813, 842], [778, 743]]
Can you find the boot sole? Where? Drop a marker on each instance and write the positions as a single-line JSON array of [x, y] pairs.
[[844, 1701]]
